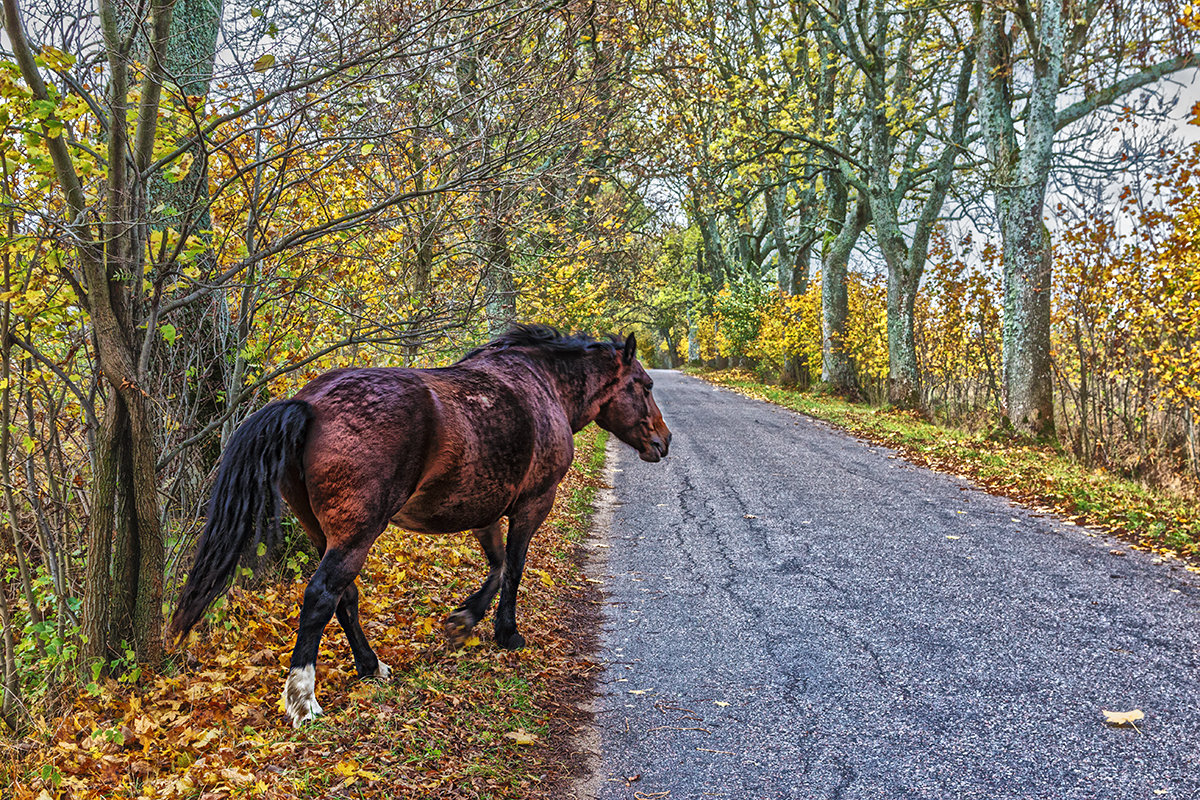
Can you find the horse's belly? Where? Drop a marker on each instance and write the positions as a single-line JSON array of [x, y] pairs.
[[426, 515]]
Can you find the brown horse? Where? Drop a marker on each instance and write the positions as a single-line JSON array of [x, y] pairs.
[[433, 451]]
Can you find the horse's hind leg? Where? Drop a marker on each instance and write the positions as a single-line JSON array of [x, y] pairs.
[[334, 575], [467, 615], [366, 662]]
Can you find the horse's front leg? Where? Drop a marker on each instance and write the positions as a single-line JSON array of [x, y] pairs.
[[522, 523], [464, 618]]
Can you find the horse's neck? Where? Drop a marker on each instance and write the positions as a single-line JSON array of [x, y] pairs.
[[580, 389]]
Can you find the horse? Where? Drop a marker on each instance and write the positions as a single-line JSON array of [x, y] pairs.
[[433, 451]]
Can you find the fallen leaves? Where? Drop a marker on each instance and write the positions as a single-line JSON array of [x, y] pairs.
[[450, 724]]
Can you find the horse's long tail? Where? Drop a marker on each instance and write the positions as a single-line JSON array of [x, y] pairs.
[[245, 501]]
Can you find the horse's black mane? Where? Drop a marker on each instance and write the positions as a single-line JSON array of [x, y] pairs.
[[545, 338]]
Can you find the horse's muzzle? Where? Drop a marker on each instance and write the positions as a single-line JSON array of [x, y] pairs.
[[657, 449]]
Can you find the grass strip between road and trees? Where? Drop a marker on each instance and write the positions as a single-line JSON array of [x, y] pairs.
[[1039, 475], [477, 722]]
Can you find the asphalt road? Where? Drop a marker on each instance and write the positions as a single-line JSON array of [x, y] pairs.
[[794, 613]]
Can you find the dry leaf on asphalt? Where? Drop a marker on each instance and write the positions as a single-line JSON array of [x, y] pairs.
[[1122, 717]]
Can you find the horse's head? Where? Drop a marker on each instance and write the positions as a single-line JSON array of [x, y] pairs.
[[629, 411]]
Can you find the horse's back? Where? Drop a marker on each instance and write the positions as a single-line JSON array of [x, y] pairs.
[[500, 436]]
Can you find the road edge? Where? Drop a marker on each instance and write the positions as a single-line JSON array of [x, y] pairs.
[[594, 563]]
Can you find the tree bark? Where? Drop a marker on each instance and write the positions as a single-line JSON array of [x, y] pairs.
[[1020, 172], [499, 281], [837, 370], [1027, 259]]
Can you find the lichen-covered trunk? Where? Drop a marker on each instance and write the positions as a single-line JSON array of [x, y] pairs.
[[837, 369], [904, 378], [904, 277], [775, 198], [715, 264], [1027, 260], [499, 282], [1020, 171]]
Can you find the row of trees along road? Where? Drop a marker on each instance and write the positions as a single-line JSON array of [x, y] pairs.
[[206, 202], [799, 127]]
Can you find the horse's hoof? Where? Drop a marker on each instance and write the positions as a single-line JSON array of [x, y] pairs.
[[299, 698], [515, 641], [383, 672], [458, 628]]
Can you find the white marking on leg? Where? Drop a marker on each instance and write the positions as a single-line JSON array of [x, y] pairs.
[[299, 696], [383, 671]]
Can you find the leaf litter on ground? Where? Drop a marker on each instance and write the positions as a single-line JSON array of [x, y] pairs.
[[477, 722]]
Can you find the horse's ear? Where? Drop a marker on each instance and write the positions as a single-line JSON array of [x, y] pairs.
[[630, 349]]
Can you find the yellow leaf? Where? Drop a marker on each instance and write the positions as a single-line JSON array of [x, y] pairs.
[[236, 776], [264, 63], [206, 738], [521, 736], [143, 725], [1122, 717]]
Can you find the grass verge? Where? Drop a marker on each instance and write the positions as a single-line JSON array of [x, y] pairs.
[[1041, 476], [477, 722]]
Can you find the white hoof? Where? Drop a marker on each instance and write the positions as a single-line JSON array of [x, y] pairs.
[[383, 671], [299, 698]]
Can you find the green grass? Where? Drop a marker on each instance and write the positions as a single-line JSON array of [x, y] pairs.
[[1040, 475]]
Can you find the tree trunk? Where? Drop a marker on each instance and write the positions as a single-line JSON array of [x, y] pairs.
[[125, 558], [903, 278], [785, 257], [715, 265], [147, 611], [837, 371], [1026, 333], [904, 387], [97, 592], [498, 273], [12, 710], [1020, 172]]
